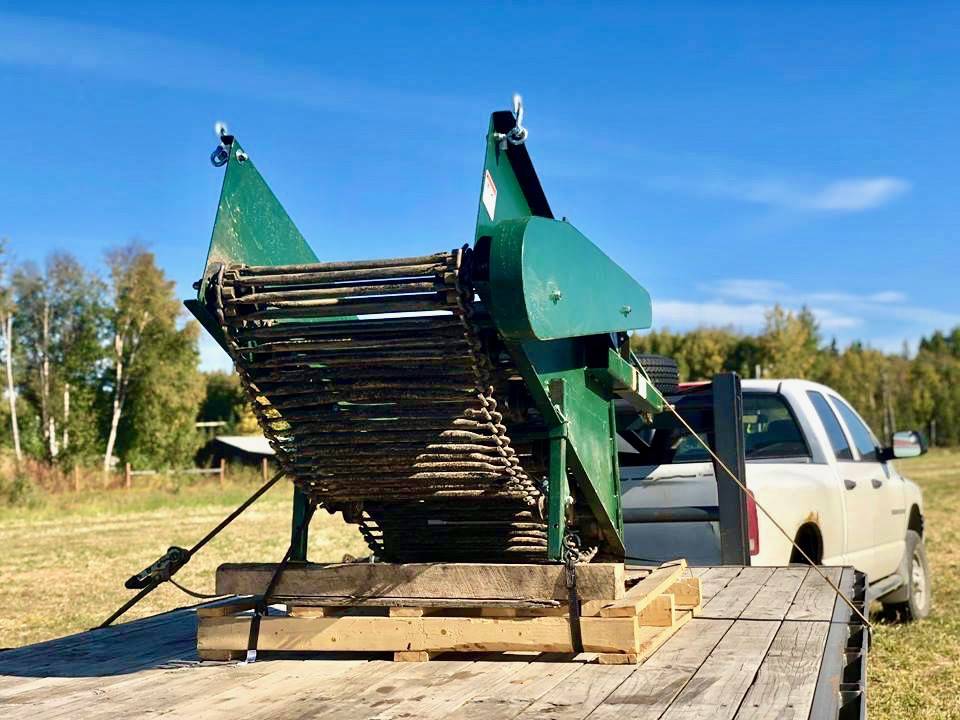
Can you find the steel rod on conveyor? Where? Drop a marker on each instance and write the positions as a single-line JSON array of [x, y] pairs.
[[433, 324], [443, 279], [337, 308], [320, 349], [298, 362], [336, 276], [350, 264], [329, 398], [272, 297], [317, 371]]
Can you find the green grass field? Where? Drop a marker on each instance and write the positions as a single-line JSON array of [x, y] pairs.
[[914, 670], [66, 558]]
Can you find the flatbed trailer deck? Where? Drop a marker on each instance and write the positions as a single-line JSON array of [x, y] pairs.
[[768, 642]]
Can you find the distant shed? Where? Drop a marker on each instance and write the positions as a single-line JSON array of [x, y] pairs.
[[249, 450]]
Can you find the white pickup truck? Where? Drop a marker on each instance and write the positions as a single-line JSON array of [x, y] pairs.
[[813, 463]]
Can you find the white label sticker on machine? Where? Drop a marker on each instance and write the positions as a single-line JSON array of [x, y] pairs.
[[489, 194]]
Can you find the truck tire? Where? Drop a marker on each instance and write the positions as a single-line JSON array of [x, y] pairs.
[[662, 370], [917, 605]]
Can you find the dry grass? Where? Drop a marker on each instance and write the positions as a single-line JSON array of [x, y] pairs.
[[65, 561]]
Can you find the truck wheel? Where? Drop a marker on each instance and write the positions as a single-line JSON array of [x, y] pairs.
[[917, 605], [662, 371]]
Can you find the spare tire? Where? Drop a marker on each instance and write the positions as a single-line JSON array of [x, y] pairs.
[[662, 370]]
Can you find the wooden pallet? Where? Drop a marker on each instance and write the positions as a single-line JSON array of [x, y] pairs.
[[624, 627]]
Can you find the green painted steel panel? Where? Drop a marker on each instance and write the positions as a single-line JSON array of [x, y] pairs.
[[586, 420], [531, 255], [548, 281], [252, 226]]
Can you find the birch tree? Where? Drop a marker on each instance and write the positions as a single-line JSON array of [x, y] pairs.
[[154, 384], [7, 308], [59, 324]]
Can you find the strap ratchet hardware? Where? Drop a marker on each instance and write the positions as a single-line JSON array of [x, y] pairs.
[[571, 555], [263, 608]]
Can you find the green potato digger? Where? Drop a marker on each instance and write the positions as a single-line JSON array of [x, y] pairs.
[[458, 406]]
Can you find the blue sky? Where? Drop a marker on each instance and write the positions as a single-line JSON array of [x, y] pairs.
[[729, 156]]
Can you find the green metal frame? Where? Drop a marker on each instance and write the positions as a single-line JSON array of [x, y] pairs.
[[555, 298]]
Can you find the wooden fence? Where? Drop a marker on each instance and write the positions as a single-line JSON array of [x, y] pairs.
[[220, 471], [129, 473]]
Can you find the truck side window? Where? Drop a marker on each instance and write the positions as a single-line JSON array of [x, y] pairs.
[[838, 441], [862, 437], [769, 429]]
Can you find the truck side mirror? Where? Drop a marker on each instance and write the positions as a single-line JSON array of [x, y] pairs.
[[905, 444]]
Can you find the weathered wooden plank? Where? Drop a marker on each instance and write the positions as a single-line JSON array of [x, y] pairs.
[[57, 652], [390, 634], [413, 680], [783, 689], [442, 699], [595, 581], [715, 579], [266, 699], [815, 599], [639, 596], [508, 696], [737, 594], [649, 639], [141, 692], [687, 592], [580, 694], [634, 573], [331, 601], [271, 693], [227, 606], [719, 685], [774, 599], [650, 689]]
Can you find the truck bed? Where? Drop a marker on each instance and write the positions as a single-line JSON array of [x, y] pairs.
[[770, 642]]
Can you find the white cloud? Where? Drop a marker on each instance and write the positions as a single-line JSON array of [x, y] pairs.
[[748, 317], [163, 61], [890, 296], [747, 289], [857, 194], [843, 195], [684, 314]]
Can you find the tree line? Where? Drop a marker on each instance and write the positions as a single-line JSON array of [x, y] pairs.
[[893, 391], [98, 367]]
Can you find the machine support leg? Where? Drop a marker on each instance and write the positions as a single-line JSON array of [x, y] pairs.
[[729, 447], [298, 545], [559, 491]]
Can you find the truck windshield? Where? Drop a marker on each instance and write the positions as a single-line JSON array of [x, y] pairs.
[[769, 428]]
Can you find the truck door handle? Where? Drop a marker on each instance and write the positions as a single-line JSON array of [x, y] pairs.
[[849, 484], [876, 483]]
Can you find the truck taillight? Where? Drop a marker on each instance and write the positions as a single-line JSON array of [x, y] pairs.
[[753, 527]]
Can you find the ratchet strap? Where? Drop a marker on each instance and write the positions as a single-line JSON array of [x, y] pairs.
[[573, 600], [262, 608]]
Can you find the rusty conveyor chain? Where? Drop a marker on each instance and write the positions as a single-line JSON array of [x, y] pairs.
[[392, 418]]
